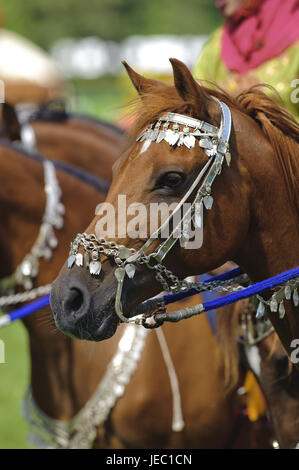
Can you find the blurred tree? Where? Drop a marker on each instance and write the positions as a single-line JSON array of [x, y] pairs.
[[45, 21]]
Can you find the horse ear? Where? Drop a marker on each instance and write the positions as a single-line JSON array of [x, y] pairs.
[[189, 89], [11, 125], [142, 84]]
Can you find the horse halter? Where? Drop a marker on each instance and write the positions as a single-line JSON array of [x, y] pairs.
[[215, 142]]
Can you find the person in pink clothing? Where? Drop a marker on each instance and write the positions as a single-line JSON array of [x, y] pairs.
[[258, 43]]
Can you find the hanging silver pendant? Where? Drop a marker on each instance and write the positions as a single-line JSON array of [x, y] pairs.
[[79, 259], [273, 305], [119, 273], [172, 137], [295, 298], [124, 252], [147, 135], [145, 145], [281, 310], [71, 261], [189, 141], [130, 270], [208, 202], [95, 267], [288, 292], [161, 136], [260, 310], [228, 158], [155, 132]]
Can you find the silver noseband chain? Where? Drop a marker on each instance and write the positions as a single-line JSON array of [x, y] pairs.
[[46, 240], [215, 142]]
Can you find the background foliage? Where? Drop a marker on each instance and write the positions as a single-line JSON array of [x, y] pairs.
[[45, 21]]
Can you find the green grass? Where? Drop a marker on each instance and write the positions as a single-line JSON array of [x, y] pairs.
[[14, 379]]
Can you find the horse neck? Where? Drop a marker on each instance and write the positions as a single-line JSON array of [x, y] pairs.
[[21, 209], [272, 241], [65, 372], [81, 144]]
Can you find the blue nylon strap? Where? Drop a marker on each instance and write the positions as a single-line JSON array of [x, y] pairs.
[[29, 308], [208, 306], [252, 290]]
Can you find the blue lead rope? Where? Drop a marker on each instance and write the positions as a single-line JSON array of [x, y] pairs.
[[250, 291], [171, 298], [25, 310]]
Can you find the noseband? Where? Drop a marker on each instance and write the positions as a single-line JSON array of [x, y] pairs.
[[215, 142]]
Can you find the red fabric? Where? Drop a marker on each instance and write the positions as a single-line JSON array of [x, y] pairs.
[[259, 37]]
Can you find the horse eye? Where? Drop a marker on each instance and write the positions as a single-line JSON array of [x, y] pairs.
[[171, 180]]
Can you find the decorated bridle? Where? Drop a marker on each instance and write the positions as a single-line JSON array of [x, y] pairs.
[[215, 142]]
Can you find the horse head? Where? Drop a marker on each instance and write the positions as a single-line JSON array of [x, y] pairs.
[[190, 144]]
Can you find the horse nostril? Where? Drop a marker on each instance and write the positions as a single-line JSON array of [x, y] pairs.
[[74, 302]]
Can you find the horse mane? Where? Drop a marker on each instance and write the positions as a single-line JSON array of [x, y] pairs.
[[94, 181], [281, 130], [227, 321], [276, 123]]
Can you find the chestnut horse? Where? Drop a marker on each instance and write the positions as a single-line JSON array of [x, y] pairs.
[[65, 372], [85, 142], [253, 220]]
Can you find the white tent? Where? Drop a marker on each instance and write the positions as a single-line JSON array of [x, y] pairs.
[[21, 60]]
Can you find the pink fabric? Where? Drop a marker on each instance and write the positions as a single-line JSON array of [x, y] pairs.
[[261, 36]]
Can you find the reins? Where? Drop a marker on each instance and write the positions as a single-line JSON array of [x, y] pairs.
[[290, 278]]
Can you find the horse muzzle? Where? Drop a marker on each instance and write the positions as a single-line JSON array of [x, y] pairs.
[[77, 309]]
